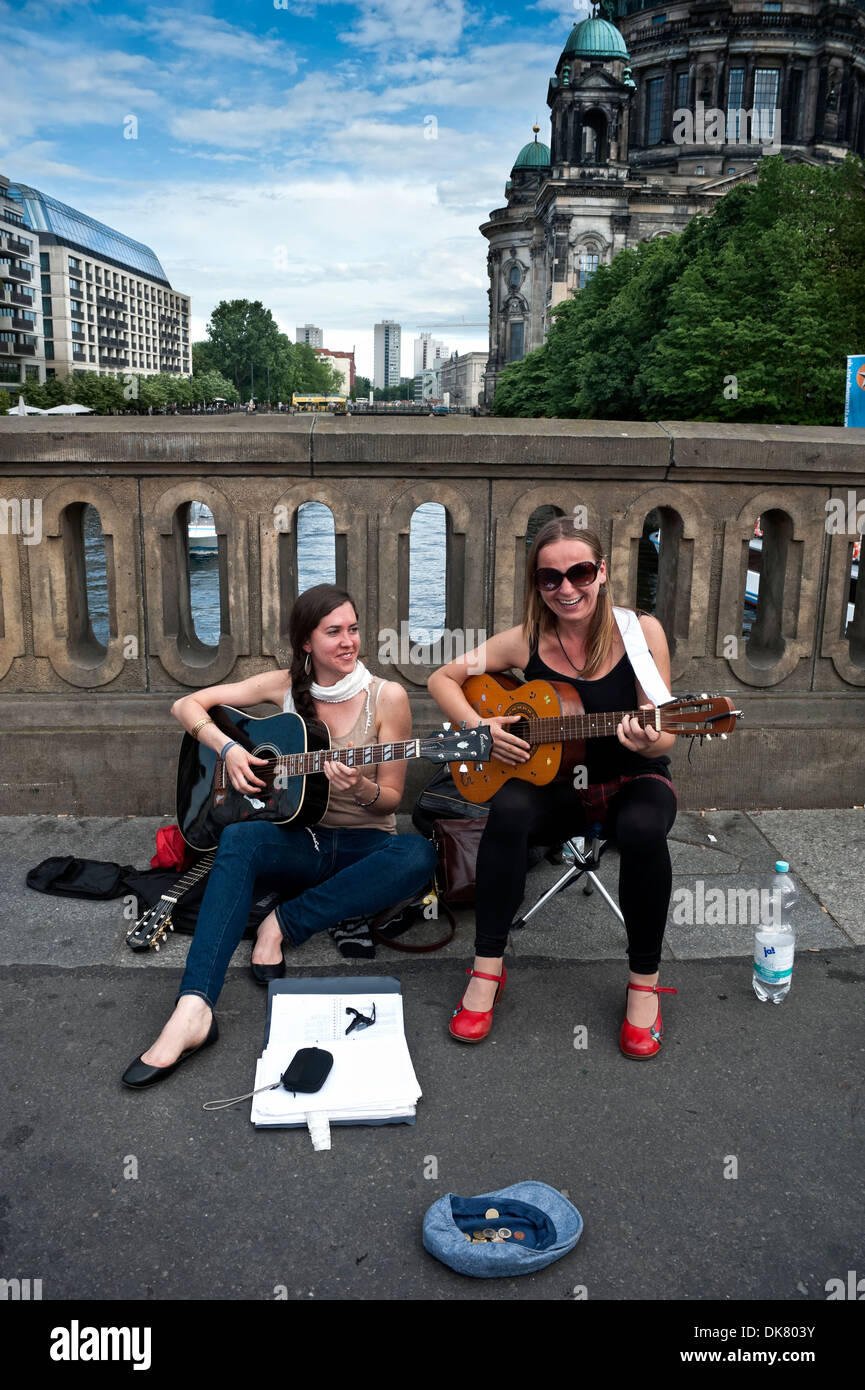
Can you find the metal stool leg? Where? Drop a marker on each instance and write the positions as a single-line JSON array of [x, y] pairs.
[[583, 864]]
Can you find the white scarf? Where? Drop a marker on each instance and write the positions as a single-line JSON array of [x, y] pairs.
[[357, 680]]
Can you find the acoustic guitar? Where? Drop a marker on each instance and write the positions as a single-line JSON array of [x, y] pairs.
[[553, 720], [296, 789]]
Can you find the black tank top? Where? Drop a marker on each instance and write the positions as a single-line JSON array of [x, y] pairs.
[[606, 758]]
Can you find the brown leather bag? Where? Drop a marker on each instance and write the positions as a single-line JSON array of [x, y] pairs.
[[456, 843]]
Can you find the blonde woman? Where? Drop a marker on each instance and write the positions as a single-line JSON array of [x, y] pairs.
[[569, 634]]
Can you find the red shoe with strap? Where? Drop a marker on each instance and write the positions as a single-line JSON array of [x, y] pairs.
[[472, 1025], [643, 1042]]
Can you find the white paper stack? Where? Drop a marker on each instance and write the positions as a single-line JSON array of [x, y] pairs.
[[372, 1078]]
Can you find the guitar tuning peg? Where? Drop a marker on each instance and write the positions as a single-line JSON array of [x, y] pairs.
[[464, 724], [708, 738], [446, 726], [156, 947], [723, 735], [704, 696], [463, 767]]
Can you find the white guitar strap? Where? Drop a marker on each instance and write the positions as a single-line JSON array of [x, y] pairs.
[[641, 659]]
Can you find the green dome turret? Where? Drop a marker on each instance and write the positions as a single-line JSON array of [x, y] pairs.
[[595, 38], [533, 155]]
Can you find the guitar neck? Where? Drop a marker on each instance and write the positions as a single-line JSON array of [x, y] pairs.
[[577, 727], [367, 755]]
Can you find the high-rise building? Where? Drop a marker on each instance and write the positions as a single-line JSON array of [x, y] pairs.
[[429, 353], [107, 305], [21, 353], [651, 123], [388, 339], [308, 333]]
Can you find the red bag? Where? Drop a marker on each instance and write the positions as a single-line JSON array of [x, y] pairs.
[[172, 851]]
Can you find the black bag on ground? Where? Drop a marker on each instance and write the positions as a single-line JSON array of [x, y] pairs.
[[67, 877]]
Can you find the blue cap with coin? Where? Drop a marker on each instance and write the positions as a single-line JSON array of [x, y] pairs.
[[515, 1230]]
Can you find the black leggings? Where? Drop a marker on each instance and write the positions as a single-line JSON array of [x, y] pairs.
[[639, 818]]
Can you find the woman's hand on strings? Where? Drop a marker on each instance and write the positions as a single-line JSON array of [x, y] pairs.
[[238, 764], [507, 748]]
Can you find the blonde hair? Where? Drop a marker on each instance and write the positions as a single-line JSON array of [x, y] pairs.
[[538, 618]]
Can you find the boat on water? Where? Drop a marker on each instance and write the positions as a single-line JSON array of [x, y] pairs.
[[201, 530]]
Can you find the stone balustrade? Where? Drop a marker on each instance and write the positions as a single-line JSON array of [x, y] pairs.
[[87, 727]]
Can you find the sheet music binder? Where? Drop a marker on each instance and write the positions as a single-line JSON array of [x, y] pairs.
[[351, 984]]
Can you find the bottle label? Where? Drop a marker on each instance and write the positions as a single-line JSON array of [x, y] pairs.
[[773, 963]]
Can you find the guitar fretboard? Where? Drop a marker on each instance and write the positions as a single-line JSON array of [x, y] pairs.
[[566, 727], [301, 764]]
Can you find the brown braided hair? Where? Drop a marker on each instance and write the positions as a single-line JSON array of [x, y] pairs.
[[311, 606]]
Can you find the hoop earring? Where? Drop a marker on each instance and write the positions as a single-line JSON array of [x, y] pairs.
[[306, 667]]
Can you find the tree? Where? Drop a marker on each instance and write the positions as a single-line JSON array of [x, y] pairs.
[[245, 342]]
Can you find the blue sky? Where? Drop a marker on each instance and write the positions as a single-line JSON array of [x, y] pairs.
[[282, 147]]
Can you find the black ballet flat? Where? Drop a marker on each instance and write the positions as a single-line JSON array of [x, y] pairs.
[[263, 974], [140, 1074]]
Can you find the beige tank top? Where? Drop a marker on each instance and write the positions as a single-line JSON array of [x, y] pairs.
[[342, 809]]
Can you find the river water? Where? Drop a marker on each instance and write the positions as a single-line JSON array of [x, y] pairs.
[[316, 565]]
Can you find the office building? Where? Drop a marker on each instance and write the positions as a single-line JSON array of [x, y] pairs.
[[429, 353], [388, 338], [309, 334]]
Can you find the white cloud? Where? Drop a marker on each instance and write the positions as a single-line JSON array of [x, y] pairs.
[[211, 38]]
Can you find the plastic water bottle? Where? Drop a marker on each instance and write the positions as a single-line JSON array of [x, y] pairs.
[[774, 941]]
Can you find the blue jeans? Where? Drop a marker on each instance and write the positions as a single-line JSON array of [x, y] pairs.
[[327, 875]]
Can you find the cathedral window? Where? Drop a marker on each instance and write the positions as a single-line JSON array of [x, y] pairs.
[[682, 91], [516, 345], [654, 109], [735, 89], [766, 100], [587, 266], [515, 277]]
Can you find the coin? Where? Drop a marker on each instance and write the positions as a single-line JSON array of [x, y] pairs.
[[476, 1235], [519, 1235], [467, 1236], [492, 1214], [505, 1233], [479, 1239], [490, 1232]]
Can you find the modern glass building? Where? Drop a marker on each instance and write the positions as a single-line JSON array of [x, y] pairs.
[[107, 304], [20, 341]]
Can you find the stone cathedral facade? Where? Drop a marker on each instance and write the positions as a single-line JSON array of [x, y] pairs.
[[652, 119]]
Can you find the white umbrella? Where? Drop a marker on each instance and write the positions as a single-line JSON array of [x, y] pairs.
[[22, 409], [69, 410]]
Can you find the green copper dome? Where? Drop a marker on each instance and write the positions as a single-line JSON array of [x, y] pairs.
[[533, 156], [595, 38]]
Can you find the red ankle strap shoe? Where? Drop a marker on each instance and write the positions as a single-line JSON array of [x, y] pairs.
[[472, 1025], [640, 1043]]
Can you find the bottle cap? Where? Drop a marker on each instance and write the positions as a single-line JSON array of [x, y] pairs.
[[782, 867]]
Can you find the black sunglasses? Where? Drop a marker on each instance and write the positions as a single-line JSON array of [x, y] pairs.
[[581, 575]]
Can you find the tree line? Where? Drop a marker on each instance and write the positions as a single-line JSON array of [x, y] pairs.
[[746, 315]]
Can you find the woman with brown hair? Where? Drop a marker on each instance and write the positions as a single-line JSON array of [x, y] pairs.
[[352, 864], [569, 633]]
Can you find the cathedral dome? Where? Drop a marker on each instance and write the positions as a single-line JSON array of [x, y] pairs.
[[533, 155], [595, 38]]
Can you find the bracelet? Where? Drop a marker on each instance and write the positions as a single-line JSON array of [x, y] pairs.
[[364, 804], [196, 728], [232, 743]]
